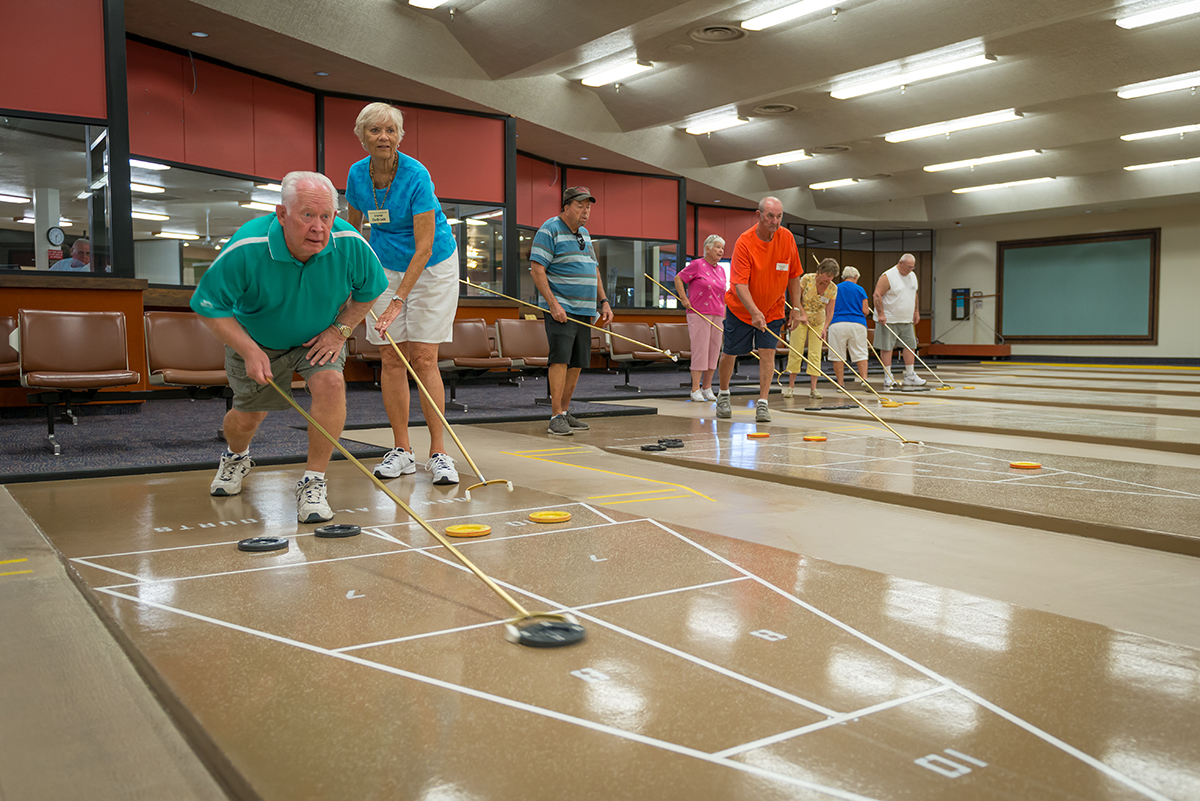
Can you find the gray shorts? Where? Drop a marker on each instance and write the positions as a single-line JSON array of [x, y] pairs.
[[250, 396], [905, 332]]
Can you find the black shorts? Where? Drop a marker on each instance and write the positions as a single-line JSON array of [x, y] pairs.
[[570, 342]]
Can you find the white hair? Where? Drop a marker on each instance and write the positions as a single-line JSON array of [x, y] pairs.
[[849, 273], [378, 112], [712, 240], [294, 180]]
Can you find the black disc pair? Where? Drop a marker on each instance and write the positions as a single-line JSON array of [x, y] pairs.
[[671, 442], [654, 447]]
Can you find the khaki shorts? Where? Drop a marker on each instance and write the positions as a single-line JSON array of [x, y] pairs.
[[250, 396], [885, 340], [428, 312]]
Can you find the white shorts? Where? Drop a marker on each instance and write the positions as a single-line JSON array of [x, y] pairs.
[[847, 336], [428, 312]]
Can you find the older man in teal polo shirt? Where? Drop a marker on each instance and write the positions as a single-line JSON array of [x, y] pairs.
[[283, 296]]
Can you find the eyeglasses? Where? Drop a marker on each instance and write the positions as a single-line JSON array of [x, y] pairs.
[[579, 239]]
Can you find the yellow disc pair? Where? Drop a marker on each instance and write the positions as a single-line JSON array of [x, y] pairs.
[[813, 438], [550, 516], [890, 404], [468, 530], [1025, 465], [757, 435], [943, 389]]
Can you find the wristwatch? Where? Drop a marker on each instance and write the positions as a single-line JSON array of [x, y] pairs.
[[343, 329]]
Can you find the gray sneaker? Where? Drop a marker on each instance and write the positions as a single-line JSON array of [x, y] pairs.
[[762, 413], [575, 423], [396, 462], [311, 506], [724, 407], [559, 426], [230, 473]]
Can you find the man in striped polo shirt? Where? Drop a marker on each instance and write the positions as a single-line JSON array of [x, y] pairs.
[[565, 273]]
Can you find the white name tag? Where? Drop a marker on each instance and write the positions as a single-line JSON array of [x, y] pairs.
[[378, 216], [781, 266]]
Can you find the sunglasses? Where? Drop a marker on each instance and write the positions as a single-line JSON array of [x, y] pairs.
[[579, 239]]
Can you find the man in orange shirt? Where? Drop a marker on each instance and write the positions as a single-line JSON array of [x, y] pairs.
[[765, 267]]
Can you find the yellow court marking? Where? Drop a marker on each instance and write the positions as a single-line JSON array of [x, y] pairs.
[[1100, 366], [12, 561], [623, 494], [574, 449], [609, 472], [16, 572], [642, 500]]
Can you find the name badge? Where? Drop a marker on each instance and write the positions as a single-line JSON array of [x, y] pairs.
[[781, 266], [378, 216]]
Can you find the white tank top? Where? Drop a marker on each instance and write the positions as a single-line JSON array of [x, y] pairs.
[[900, 301]]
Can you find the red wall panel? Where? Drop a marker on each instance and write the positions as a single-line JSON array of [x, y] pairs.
[[594, 181], [218, 119], [523, 202], [285, 129], [737, 222], [155, 83], [691, 245], [464, 155], [53, 57], [726, 223], [410, 144], [342, 147], [660, 208], [547, 191], [622, 200]]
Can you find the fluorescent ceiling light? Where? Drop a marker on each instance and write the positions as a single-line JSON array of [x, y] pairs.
[[270, 187], [13, 199], [949, 126], [254, 204], [147, 189], [1160, 14], [1187, 80], [83, 195], [472, 221], [985, 187], [173, 235], [954, 165], [719, 124], [832, 184], [1181, 130], [787, 14], [62, 223], [912, 76], [783, 158], [488, 215], [147, 165], [145, 215], [1174, 163], [426, 3], [617, 73]]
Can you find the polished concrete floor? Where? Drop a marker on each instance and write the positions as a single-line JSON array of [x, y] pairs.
[[766, 618]]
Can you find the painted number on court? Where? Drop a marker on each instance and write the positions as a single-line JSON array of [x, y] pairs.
[[768, 635], [589, 674], [949, 767]]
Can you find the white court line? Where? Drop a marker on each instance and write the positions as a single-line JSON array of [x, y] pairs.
[[1032, 729], [379, 533], [833, 721], [596, 511], [514, 704], [108, 569], [423, 635]]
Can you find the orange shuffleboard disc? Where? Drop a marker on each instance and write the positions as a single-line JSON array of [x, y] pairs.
[[814, 438], [469, 530], [550, 516], [758, 435], [1025, 465]]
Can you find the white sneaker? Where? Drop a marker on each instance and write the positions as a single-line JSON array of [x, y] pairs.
[[311, 506], [762, 412], [913, 380], [396, 462], [709, 395], [787, 392], [698, 396], [230, 474], [889, 382], [442, 467]]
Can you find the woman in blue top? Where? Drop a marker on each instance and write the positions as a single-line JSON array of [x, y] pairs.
[[847, 334], [409, 233]]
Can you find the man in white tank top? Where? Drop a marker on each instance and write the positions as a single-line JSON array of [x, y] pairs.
[[896, 305]]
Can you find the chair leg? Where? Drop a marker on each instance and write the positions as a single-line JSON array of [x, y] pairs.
[[627, 385], [548, 400], [50, 440], [452, 385]]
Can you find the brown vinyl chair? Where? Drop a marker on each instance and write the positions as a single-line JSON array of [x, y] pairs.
[[524, 341], [71, 356], [182, 352], [10, 360], [675, 338], [468, 354], [359, 349], [627, 353]]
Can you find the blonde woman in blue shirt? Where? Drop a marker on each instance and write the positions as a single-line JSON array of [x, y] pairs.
[[394, 193]]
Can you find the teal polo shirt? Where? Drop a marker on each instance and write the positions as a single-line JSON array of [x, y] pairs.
[[282, 302]]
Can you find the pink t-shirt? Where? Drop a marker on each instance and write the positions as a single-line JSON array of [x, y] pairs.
[[705, 285]]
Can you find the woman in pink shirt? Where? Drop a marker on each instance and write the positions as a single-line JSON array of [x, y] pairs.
[[704, 300]]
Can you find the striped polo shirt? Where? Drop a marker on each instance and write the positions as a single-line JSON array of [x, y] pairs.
[[570, 266]]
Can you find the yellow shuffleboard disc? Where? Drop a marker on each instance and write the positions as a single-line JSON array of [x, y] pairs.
[[945, 388], [550, 516], [1025, 465], [968, 387], [758, 435], [911, 403], [890, 404], [469, 530], [814, 438]]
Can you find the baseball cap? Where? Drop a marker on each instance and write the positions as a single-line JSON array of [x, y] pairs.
[[577, 193]]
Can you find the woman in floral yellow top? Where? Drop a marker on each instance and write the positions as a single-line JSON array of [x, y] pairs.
[[817, 293]]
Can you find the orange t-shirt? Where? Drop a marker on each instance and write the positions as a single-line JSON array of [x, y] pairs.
[[766, 267]]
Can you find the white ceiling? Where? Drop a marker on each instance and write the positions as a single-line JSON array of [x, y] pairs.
[[1059, 63]]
